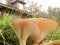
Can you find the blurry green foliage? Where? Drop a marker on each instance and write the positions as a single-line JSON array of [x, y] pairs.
[[8, 33]]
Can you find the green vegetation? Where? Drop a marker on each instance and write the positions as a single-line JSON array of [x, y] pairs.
[[8, 36], [55, 35]]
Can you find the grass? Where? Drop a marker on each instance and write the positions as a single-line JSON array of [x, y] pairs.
[[55, 35]]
